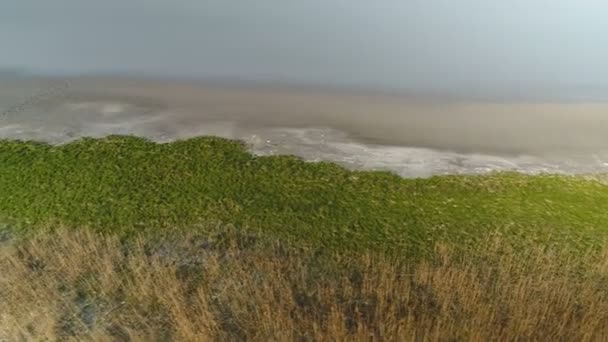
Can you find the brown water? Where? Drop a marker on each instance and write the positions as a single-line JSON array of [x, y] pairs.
[[413, 136]]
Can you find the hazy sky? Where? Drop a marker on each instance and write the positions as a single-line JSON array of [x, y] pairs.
[[402, 44]]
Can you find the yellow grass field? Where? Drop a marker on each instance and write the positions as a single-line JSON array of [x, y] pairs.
[[80, 285]]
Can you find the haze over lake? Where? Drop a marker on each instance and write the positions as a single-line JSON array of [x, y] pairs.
[[418, 87]]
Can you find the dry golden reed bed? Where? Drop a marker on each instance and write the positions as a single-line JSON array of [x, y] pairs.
[[78, 285]]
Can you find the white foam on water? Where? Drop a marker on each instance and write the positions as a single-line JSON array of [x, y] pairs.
[[320, 144], [311, 144]]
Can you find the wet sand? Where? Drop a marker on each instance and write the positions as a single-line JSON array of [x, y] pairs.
[[414, 136]]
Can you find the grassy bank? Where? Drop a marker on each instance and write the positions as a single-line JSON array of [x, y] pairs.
[[127, 184], [224, 245]]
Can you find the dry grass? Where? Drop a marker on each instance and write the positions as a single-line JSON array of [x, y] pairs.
[[83, 286]]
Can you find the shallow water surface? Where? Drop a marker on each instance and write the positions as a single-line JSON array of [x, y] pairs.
[[413, 136]]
